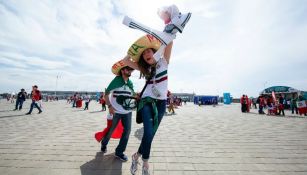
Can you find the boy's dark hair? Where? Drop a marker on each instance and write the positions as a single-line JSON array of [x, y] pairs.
[[120, 71]]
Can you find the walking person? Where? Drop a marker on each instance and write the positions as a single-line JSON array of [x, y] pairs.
[[87, 100], [293, 104], [118, 96], [152, 105], [35, 96], [21, 97]]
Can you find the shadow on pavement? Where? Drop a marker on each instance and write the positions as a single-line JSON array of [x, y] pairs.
[[102, 165], [139, 133], [282, 116], [18, 115], [79, 110], [95, 111], [7, 110]]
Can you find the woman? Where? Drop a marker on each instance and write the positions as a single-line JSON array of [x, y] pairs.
[[153, 99]]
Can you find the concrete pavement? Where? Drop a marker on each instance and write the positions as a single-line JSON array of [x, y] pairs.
[[197, 140]]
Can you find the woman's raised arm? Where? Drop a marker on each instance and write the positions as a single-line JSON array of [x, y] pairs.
[[168, 51]]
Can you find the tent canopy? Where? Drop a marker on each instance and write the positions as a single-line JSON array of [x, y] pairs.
[[279, 89]]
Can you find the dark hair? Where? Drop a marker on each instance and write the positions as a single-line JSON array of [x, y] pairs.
[[35, 86], [146, 70], [120, 71]]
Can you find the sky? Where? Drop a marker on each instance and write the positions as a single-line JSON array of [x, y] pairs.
[[237, 46]]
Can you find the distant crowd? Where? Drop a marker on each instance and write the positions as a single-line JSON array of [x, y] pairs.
[[275, 105]]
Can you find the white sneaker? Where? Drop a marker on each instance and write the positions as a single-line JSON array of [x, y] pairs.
[[181, 20], [165, 38], [145, 171], [134, 164]]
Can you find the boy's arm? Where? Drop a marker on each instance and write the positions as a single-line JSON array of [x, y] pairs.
[[106, 97]]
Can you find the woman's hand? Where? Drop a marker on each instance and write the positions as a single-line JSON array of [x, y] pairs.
[[130, 63], [137, 96]]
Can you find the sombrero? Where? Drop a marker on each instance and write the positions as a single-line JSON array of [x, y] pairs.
[[143, 43], [118, 66]]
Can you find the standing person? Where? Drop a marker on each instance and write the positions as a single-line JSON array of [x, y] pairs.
[[293, 104], [36, 96], [13, 97], [254, 101], [21, 97], [281, 105], [171, 104], [249, 103], [87, 100], [243, 102], [153, 100], [74, 99], [102, 102], [199, 101], [261, 104], [117, 96]]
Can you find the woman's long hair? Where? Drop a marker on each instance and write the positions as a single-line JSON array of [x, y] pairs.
[[146, 70]]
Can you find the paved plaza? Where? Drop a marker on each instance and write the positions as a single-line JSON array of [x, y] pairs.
[[197, 140]]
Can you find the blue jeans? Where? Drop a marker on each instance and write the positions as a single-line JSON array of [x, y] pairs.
[[32, 106], [19, 104], [147, 113], [74, 103], [126, 122], [294, 108]]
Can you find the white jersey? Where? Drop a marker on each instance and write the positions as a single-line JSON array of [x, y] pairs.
[[124, 91], [157, 86], [117, 89]]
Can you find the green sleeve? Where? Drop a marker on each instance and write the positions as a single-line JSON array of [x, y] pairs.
[[115, 83], [130, 85]]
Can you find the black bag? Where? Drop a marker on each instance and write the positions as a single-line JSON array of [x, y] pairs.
[[139, 117]]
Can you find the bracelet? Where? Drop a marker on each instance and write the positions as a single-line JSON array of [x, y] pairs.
[[109, 105]]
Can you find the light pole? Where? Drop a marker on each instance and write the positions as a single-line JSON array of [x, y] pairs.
[[56, 84]]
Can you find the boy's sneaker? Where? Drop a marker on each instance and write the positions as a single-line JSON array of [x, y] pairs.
[[122, 157], [145, 171], [134, 164], [103, 148]]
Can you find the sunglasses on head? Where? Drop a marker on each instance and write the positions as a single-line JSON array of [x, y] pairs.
[[129, 69]]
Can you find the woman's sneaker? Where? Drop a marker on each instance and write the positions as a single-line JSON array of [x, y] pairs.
[[134, 164], [145, 171]]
